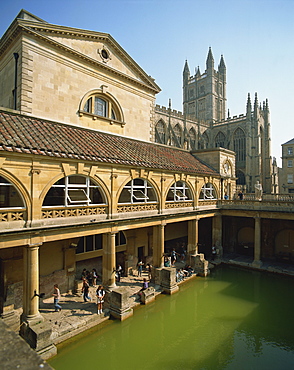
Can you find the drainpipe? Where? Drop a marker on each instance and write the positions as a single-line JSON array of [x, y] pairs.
[[16, 56]]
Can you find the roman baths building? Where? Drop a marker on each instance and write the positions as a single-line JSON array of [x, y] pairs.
[[85, 181]]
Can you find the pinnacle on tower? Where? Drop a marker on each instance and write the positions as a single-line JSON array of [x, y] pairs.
[[209, 60], [248, 106], [198, 72], [222, 65], [186, 71]]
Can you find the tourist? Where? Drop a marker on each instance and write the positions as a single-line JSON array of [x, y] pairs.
[[100, 293], [240, 195], [57, 296], [94, 277], [119, 271], [84, 273], [149, 270], [226, 197], [173, 257], [85, 290], [213, 253], [140, 267]]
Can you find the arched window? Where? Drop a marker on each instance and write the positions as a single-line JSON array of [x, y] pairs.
[[240, 178], [179, 192], [74, 191], [137, 191], [192, 135], [178, 133], [9, 195], [240, 145], [102, 105], [220, 140], [208, 192], [160, 130], [203, 142]]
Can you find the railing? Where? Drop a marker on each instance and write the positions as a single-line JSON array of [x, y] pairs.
[[61, 212], [137, 207], [13, 215], [169, 205]]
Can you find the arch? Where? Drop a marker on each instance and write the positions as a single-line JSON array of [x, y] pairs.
[[239, 140], [208, 192], [179, 191], [203, 142], [284, 242], [220, 140], [74, 190], [101, 103], [12, 194], [137, 190], [160, 132], [241, 180]]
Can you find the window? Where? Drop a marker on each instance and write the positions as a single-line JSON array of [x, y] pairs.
[[9, 195], [290, 178], [74, 190], [179, 191], [290, 150], [240, 178], [137, 191], [240, 145], [102, 105], [290, 163], [192, 134], [178, 134], [220, 140], [207, 192], [89, 243], [160, 136]]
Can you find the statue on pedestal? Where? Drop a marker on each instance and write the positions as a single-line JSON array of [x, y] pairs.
[[258, 190]]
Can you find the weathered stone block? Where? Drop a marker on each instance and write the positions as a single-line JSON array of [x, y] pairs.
[[200, 264], [120, 306], [168, 280], [148, 295]]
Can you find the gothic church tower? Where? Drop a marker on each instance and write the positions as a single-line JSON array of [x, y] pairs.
[[204, 95]]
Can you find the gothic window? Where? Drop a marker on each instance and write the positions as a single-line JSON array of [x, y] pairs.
[[137, 191], [74, 191], [207, 192], [102, 105], [9, 195], [240, 145], [240, 178], [160, 130], [179, 192], [192, 134], [178, 133], [220, 140]]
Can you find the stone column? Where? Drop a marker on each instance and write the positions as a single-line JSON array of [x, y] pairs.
[[257, 243], [217, 234], [158, 245], [193, 237], [109, 261], [31, 283]]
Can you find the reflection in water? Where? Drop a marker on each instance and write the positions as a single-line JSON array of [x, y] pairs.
[[233, 319]]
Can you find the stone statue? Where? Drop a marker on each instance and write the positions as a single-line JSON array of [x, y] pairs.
[[258, 191]]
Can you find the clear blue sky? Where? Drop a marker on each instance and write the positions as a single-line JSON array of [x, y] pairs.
[[256, 38]]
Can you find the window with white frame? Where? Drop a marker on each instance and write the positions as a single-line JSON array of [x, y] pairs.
[[74, 191], [290, 178], [9, 195], [137, 191], [103, 106], [178, 192], [208, 192], [290, 163], [290, 150]]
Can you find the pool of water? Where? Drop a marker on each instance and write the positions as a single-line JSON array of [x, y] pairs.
[[233, 319]]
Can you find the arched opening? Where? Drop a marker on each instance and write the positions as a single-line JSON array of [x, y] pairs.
[[9, 195], [160, 132], [179, 192], [137, 191], [207, 192], [240, 146], [240, 178], [220, 140]]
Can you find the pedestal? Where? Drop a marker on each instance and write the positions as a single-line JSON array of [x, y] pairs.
[[168, 280], [120, 304], [200, 264]]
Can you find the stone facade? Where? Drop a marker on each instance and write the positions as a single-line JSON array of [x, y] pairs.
[[286, 173]]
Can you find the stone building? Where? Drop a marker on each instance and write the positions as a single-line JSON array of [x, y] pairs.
[[85, 183], [286, 173], [204, 124]]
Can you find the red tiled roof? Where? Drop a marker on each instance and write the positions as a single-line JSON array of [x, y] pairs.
[[23, 134]]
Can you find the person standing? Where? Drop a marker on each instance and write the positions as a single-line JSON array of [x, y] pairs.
[[85, 290], [94, 277], [57, 296], [140, 268], [100, 293], [119, 272]]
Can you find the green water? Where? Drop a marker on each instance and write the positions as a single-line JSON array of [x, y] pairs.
[[233, 319]]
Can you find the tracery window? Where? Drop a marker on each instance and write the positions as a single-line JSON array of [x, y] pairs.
[[160, 129], [74, 191], [192, 134], [137, 191], [9, 195], [240, 178], [220, 140], [240, 145], [207, 192], [178, 133], [179, 192]]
